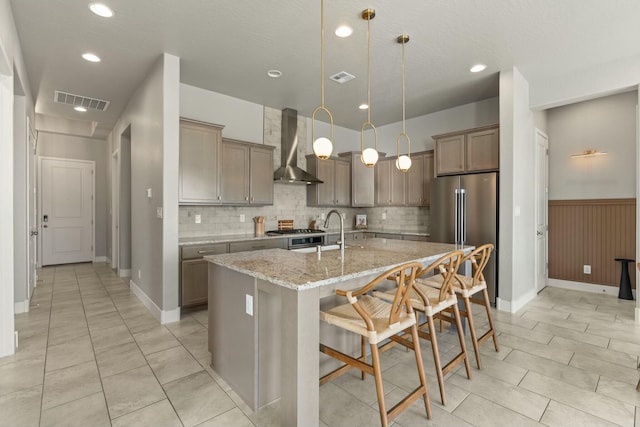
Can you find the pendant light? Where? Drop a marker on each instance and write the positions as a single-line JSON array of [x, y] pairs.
[[322, 147], [403, 163], [369, 155]]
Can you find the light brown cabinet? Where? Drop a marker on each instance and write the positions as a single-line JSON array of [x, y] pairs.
[[247, 173], [194, 272], [336, 177], [199, 179], [471, 150], [419, 180], [256, 245], [411, 188], [390, 184], [362, 181], [216, 171]]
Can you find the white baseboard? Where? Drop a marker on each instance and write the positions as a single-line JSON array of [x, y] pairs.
[[163, 316], [21, 307], [124, 272], [637, 315], [586, 287], [514, 306], [100, 259]]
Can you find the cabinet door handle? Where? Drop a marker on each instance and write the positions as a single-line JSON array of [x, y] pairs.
[[207, 252], [246, 198], [252, 199], [219, 197]]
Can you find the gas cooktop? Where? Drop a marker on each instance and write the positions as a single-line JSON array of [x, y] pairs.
[[294, 231]]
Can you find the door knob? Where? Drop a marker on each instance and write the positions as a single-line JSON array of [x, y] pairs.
[[34, 233]]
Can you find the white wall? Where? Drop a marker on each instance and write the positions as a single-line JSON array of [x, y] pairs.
[[241, 119], [154, 165], [606, 124], [21, 217], [11, 67], [79, 148], [420, 129], [517, 191]]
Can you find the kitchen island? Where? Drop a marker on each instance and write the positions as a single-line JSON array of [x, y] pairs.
[[264, 327]]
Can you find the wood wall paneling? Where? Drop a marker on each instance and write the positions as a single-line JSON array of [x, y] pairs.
[[591, 232]]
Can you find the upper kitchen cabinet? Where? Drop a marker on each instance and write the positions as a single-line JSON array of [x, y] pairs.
[[419, 179], [362, 181], [336, 177], [471, 150], [247, 173], [390, 183], [199, 172]]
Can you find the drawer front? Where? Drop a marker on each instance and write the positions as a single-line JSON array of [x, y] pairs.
[[256, 245], [199, 251]]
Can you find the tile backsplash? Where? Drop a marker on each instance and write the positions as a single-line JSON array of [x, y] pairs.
[[290, 202]]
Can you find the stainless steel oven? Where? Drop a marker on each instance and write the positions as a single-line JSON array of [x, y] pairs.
[[305, 241]]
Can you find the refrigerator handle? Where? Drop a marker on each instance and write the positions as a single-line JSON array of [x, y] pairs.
[[457, 218], [463, 216]]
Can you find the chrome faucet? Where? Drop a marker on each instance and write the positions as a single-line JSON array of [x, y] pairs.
[[341, 241]]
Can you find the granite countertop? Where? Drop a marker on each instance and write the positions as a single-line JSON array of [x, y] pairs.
[[200, 240], [304, 270]]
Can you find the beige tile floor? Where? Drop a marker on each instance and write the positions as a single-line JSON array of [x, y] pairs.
[[91, 355]]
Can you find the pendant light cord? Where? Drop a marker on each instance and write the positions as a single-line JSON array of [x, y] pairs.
[[322, 52], [403, 96], [369, 69]]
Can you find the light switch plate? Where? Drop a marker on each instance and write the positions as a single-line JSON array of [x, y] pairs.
[[149, 193], [384, 215], [249, 304], [242, 218], [586, 269], [159, 212]]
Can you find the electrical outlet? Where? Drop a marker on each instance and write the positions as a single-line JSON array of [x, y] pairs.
[[241, 217], [384, 216], [139, 274], [586, 269], [159, 212], [198, 219], [322, 216], [249, 304]]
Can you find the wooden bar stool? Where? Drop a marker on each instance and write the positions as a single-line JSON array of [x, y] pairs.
[[466, 287], [379, 320], [431, 302]]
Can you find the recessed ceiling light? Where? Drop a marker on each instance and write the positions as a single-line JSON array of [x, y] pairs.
[[274, 73], [101, 10], [344, 31], [81, 109], [363, 106], [91, 57], [477, 68]]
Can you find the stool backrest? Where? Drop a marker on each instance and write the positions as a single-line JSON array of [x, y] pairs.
[[404, 275], [447, 266], [479, 258]]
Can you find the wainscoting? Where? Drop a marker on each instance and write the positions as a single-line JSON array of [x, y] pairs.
[[591, 232]]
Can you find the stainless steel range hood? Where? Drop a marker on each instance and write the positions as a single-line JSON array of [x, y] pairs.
[[289, 171]]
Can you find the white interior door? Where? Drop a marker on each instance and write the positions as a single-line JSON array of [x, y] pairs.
[[67, 211], [32, 210], [542, 195]]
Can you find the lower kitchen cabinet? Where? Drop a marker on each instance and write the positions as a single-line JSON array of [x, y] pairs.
[[194, 272]]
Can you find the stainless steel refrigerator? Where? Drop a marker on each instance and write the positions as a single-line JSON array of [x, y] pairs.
[[464, 210]]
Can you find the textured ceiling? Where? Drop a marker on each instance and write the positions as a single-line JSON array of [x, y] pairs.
[[227, 46]]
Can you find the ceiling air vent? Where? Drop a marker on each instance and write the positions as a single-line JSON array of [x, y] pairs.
[[342, 77], [80, 101]]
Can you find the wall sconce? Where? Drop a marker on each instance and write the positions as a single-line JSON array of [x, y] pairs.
[[589, 153]]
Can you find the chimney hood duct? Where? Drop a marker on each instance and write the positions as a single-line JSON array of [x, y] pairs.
[[289, 172]]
